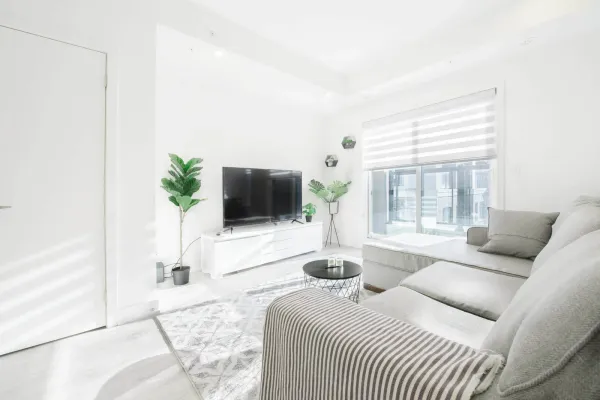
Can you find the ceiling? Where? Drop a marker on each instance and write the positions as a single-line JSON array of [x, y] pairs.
[[353, 50], [348, 36], [190, 67]]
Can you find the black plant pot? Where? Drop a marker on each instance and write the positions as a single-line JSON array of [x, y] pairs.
[[181, 275], [308, 218]]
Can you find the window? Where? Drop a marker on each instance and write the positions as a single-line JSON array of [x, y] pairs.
[[430, 169], [481, 179], [448, 206]]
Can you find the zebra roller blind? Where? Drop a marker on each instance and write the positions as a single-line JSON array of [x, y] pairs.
[[455, 130]]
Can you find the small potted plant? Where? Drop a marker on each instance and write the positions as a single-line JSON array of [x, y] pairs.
[[181, 185], [309, 210], [348, 142]]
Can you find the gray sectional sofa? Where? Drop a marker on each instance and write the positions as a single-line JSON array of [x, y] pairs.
[[542, 315]]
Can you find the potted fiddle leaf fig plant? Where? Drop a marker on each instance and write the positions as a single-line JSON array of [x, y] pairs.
[[309, 210], [181, 185]]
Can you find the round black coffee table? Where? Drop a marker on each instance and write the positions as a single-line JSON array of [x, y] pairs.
[[343, 281]]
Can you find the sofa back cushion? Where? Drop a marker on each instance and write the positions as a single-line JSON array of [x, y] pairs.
[[520, 234], [582, 218], [551, 326]]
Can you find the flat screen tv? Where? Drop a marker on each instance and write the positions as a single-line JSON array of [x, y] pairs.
[[255, 196]]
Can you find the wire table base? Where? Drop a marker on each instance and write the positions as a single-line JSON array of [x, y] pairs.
[[347, 288]]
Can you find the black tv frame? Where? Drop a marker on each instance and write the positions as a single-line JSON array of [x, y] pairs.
[[273, 220]]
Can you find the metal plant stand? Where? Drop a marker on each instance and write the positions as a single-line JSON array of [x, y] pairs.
[[332, 228]]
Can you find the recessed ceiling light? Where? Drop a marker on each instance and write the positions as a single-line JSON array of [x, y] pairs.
[[527, 41], [219, 53]]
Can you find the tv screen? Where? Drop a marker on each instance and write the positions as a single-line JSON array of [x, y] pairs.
[[255, 196]]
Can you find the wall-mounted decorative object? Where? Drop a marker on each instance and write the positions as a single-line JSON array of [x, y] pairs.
[[331, 160], [348, 142]]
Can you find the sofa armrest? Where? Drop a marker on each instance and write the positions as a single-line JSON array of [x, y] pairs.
[[477, 235], [317, 343]]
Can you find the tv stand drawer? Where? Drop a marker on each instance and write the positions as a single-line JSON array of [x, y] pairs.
[[284, 235], [277, 246]]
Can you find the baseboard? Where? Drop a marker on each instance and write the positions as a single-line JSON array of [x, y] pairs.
[[136, 312], [373, 288]]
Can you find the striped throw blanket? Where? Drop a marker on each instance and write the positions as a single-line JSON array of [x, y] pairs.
[[319, 346]]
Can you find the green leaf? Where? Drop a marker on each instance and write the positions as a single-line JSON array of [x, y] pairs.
[[192, 175], [183, 182], [192, 204], [191, 163], [175, 159], [175, 174], [315, 186], [194, 169], [190, 187], [330, 193], [171, 186], [177, 168], [184, 201], [325, 195], [309, 209]]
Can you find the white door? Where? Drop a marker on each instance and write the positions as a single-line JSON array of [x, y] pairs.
[[52, 113]]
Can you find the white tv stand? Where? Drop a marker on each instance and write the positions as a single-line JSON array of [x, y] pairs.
[[248, 247]]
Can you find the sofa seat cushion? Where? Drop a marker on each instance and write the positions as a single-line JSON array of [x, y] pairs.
[[382, 276], [413, 252], [481, 292], [419, 310]]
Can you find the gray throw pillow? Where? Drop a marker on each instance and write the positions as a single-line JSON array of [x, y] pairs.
[[581, 201], [520, 234], [577, 223]]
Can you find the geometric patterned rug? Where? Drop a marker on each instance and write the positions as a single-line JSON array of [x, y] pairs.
[[219, 343]]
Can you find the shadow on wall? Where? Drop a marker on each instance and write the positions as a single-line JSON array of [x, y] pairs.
[[49, 292]]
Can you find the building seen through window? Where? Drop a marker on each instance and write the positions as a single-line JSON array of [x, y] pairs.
[[452, 197]]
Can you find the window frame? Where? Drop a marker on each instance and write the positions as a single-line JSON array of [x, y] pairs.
[[494, 201]]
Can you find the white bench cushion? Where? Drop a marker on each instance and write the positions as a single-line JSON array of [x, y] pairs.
[[413, 252]]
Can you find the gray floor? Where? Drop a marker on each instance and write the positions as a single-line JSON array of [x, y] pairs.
[[127, 362], [130, 361]]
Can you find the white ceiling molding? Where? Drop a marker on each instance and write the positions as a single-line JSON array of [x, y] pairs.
[[495, 30], [503, 46], [202, 23], [468, 40]]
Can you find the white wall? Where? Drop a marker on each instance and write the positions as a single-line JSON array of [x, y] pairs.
[[230, 111], [551, 131], [125, 30]]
